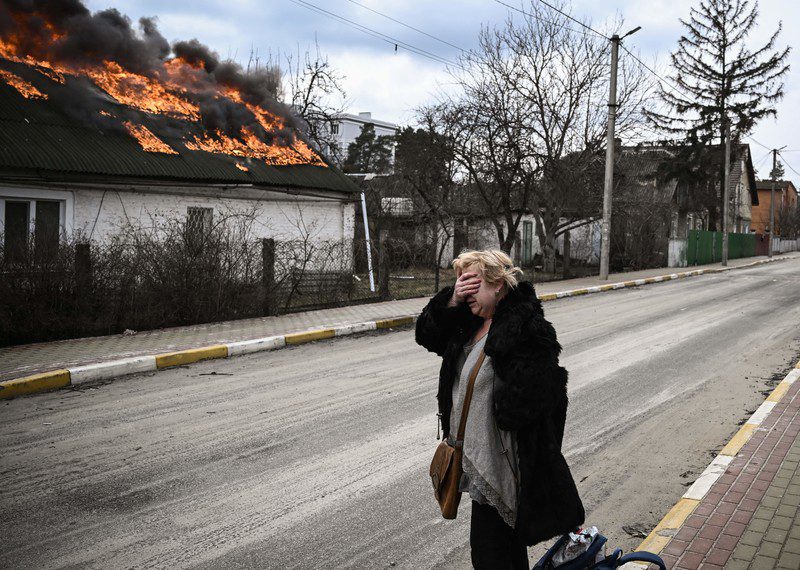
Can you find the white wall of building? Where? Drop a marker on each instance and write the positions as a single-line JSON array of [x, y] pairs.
[[742, 203], [584, 243], [97, 214], [347, 128], [483, 235]]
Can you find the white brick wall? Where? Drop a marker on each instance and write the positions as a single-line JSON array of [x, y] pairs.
[[284, 217]]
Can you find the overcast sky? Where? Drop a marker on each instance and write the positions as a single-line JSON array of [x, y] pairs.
[[391, 84]]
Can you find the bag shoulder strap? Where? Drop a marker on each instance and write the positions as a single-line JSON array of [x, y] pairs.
[[643, 557], [462, 422]]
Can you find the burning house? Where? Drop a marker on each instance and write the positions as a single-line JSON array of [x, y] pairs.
[[104, 124]]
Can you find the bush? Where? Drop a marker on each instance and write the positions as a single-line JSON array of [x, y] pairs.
[[169, 273]]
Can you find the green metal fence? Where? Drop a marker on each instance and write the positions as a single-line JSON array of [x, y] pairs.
[[706, 247]]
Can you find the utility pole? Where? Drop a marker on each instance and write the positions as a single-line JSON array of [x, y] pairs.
[[605, 236], [772, 201], [725, 192]]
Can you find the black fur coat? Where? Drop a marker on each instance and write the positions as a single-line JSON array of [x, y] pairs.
[[530, 397]]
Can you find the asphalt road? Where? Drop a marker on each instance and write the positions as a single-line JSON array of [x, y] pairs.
[[317, 455]]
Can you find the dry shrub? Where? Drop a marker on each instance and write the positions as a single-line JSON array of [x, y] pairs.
[[166, 273]]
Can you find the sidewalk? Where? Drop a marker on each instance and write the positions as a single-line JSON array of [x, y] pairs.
[[746, 512], [18, 361]]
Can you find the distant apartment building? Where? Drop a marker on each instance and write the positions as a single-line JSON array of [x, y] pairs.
[[346, 127]]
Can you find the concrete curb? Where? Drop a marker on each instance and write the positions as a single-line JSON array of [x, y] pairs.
[[677, 515], [106, 370]]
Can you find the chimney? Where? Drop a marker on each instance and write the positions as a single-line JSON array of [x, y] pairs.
[[617, 148], [365, 115]]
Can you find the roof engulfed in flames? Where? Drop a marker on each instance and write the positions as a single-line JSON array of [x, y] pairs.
[[24, 87], [142, 92], [180, 100], [147, 140]]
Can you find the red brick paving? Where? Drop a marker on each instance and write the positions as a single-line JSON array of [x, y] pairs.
[[713, 532]]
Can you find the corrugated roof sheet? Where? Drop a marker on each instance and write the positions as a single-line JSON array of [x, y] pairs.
[[36, 135]]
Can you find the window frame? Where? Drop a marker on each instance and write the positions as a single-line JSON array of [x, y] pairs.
[[66, 210], [196, 233]]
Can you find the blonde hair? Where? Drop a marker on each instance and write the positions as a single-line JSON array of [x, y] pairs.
[[494, 264]]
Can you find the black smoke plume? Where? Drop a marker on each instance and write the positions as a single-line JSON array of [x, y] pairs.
[[66, 32]]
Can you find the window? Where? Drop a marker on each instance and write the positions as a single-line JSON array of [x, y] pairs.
[[16, 224], [198, 225], [21, 216], [47, 227], [334, 128], [527, 243]]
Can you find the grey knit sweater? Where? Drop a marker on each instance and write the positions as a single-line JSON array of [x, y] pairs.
[[490, 475]]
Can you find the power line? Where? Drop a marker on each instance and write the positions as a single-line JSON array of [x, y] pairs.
[[574, 19], [653, 71], [787, 164], [536, 17], [758, 143], [410, 27], [376, 34], [761, 161]]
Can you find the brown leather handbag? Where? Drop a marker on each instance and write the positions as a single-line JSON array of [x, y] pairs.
[[446, 466]]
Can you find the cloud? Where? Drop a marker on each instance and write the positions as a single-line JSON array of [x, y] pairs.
[[390, 84], [378, 87]]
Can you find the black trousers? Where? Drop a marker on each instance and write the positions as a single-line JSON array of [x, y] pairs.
[[494, 544]]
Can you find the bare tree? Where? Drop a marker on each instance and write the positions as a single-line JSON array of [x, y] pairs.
[[528, 122], [491, 127], [788, 220], [315, 93]]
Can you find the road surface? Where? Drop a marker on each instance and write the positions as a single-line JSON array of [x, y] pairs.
[[316, 456]]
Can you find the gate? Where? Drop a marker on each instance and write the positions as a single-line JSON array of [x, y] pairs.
[[706, 247]]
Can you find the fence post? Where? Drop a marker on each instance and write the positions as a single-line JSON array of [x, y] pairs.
[[566, 254], [83, 269], [383, 266], [268, 275], [83, 287]]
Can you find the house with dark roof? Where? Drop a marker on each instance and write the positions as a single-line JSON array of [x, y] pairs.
[[669, 207], [78, 166]]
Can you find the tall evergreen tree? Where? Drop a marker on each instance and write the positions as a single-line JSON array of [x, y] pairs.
[[719, 77], [369, 153]]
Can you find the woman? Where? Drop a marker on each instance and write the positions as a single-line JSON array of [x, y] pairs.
[[521, 488]]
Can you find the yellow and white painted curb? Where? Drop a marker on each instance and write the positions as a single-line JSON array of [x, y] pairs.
[[35, 383], [122, 367], [106, 370], [677, 515], [655, 279]]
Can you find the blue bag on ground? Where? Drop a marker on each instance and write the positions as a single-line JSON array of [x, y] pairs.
[[586, 550]]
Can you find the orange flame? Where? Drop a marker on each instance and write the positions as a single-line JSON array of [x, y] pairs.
[[26, 89], [8, 52], [253, 147], [141, 92], [51, 73], [168, 94], [147, 140]]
